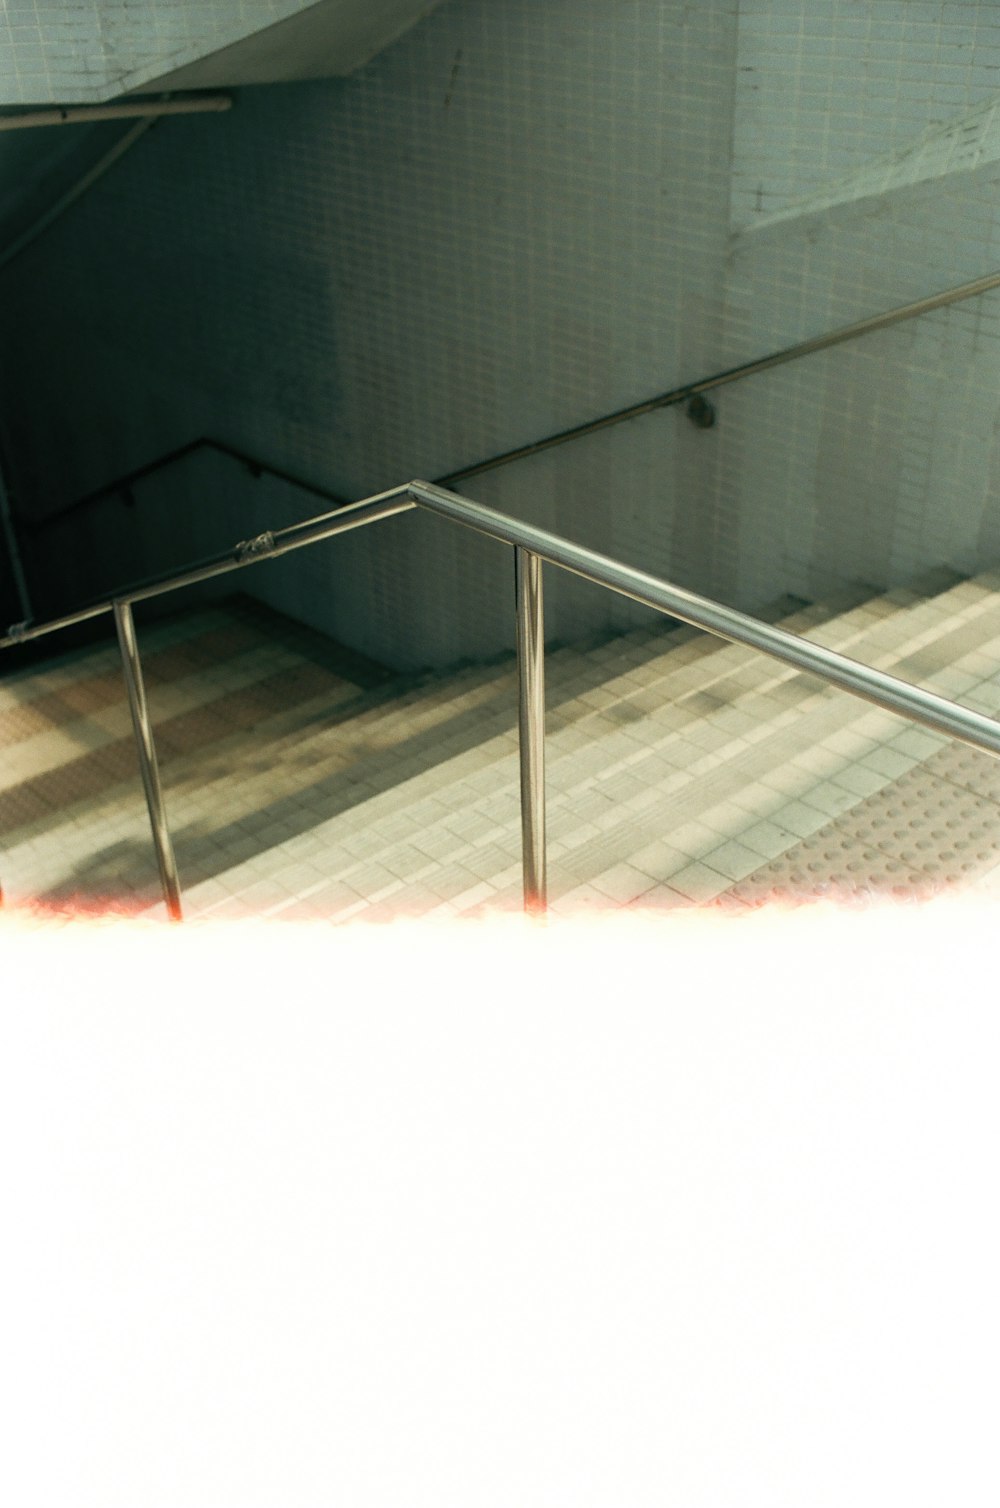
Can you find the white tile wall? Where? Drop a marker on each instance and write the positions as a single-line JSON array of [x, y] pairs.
[[961, 146], [877, 459], [518, 217], [825, 86], [511, 221]]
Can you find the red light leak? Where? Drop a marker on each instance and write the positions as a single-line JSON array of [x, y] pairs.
[[848, 913]]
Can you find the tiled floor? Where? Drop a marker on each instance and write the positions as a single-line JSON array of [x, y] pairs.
[[302, 780]]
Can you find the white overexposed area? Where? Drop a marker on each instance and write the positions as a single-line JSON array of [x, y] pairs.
[[613, 1213], [359, 1187]]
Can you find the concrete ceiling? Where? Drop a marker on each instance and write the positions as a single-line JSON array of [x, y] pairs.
[[329, 39]]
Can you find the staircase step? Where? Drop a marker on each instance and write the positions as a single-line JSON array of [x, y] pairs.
[[370, 861], [567, 669], [247, 785], [826, 757], [935, 827], [680, 767]]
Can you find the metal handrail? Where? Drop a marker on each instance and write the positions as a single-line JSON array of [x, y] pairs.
[[873, 685], [675, 396], [248, 552], [532, 546], [690, 390], [122, 485], [61, 115]]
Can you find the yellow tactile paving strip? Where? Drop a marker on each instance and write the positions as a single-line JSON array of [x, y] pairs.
[[935, 828]]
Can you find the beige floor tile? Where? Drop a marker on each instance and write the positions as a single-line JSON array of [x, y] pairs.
[[799, 818], [582, 899], [622, 800], [693, 838], [622, 883], [829, 798], [918, 742], [733, 859], [891, 762], [659, 860], [859, 779], [699, 883], [768, 839]]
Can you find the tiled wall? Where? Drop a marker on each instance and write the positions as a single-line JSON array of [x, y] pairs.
[[520, 216], [824, 86], [865, 176], [70, 51], [511, 221]]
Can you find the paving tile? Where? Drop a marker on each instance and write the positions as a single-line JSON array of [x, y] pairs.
[[972, 769], [698, 882], [476, 895], [735, 860], [662, 898], [408, 863], [918, 742], [445, 881], [659, 860], [370, 879], [799, 818], [829, 798], [437, 843], [725, 818], [858, 779], [768, 839], [582, 899], [984, 698], [692, 837], [622, 883], [713, 767], [786, 780]]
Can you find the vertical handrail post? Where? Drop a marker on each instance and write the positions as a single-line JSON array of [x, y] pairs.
[[531, 725], [143, 728]]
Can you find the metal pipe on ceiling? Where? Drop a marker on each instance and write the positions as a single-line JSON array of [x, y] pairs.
[[148, 113], [67, 115], [121, 146]]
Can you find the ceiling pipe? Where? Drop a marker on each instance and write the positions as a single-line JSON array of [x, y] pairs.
[[149, 113], [121, 146], [66, 115]]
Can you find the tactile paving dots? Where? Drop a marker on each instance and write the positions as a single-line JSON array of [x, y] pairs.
[[912, 838], [976, 771]]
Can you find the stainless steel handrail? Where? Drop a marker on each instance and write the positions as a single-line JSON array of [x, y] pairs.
[[689, 390], [532, 546], [246, 553], [885, 691], [142, 727]]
